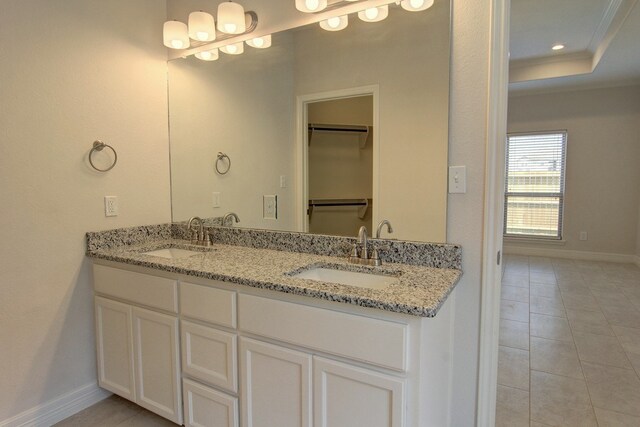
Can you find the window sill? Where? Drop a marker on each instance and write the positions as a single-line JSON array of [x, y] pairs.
[[535, 241]]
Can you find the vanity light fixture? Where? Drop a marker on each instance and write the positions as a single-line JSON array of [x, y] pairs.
[[416, 5], [176, 35], [231, 18], [311, 6], [208, 55], [233, 49], [260, 42], [557, 47], [374, 14], [202, 26], [335, 23]]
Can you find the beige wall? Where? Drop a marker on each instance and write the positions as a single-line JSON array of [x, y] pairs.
[[72, 72], [603, 150], [470, 52]]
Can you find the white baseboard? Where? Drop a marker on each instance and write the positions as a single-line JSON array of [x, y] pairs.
[[563, 253], [53, 411]]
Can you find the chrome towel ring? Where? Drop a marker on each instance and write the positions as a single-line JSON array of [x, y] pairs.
[[220, 158], [99, 146]]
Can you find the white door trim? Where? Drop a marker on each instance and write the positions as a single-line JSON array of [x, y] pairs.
[[497, 98], [302, 147]]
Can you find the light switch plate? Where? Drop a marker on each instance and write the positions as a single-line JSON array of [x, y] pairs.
[[457, 179], [583, 235], [110, 206], [270, 207], [283, 181], [215, 199]]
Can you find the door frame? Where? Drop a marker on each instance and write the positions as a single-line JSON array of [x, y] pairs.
[[497, 101], [302, 147]]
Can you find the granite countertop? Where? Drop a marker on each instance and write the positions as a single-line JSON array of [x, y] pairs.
[[419, 291]]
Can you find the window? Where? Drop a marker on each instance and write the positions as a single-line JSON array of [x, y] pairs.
[[534, 187]]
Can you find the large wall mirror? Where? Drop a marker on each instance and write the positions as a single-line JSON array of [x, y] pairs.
[[344, 128]]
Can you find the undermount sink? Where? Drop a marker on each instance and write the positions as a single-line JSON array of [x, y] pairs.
[[172, 253], [351, 278]]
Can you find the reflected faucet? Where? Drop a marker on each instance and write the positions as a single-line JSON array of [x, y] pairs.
[[382, 224], [232, 216]]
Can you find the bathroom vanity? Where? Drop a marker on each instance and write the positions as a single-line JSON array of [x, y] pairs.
[[230, 335]]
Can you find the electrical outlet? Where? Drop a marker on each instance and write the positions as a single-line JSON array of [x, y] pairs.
[[270, 207], [110, 206], [215, 199], [283, 181], [583, 235]]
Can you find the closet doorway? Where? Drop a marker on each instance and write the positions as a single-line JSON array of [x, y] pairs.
[[339, 164]]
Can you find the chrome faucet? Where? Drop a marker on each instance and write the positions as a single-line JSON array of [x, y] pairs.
[[360, 251], [228, 216], [382, 224], [363, 241], [199, 237]]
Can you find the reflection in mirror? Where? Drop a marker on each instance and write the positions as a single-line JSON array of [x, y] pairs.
[[340, 165], [256, 108]]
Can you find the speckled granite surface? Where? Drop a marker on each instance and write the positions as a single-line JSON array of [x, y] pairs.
[[127, 236], [419, 290], [440, 255]]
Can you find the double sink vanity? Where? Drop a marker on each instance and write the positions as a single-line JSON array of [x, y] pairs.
[[266, 328]]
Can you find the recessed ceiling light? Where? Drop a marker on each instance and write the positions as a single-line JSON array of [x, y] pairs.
[[558, 47]]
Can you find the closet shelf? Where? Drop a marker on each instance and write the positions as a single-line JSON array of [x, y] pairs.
[[362, 211], [361, 131]]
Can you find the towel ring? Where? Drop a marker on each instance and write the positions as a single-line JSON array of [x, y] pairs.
[[221, 157], [99, 146]]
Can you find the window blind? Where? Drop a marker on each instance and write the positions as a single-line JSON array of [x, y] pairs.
[[534, 184]]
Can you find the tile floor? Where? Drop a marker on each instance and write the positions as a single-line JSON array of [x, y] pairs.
[[569, 344], [115, 411]]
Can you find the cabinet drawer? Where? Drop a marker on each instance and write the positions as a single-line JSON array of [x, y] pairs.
[[207, 304], [378, 342], [144, 289], [210, 355], [206, 407]]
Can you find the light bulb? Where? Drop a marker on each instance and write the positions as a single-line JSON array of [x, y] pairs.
[[416, 5], [374, 14], [371, 13], [335, 23], [175, 35], [231, 18], [208, 55], [311, 6], [202, 26], [260, 42], [233, 49]]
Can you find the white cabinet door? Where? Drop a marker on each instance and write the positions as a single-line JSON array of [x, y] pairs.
[[115, 347], [348, 396], [206, 407], [156, 351], [276, 383]]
